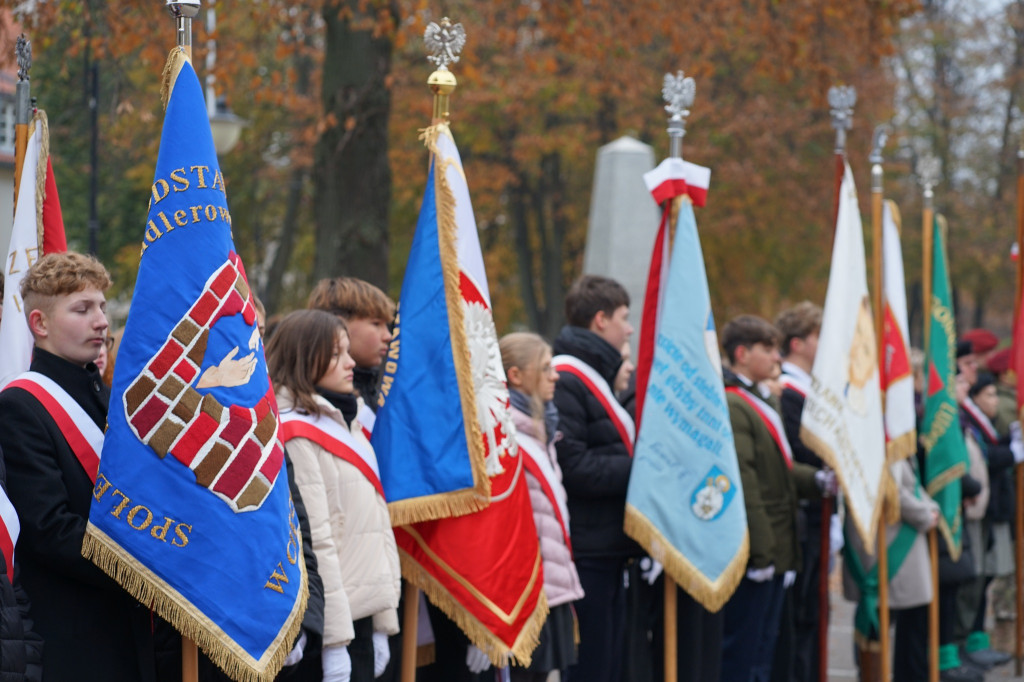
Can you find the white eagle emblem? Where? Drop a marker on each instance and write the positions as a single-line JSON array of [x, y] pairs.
[[489, 385]]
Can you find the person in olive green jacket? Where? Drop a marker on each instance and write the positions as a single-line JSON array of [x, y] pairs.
[[772, 484]]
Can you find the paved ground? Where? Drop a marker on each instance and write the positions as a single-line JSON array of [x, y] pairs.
[[841, 667]]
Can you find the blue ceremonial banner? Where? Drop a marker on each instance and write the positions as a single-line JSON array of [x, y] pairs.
[[431, 457], [685, 500], [191, 512]]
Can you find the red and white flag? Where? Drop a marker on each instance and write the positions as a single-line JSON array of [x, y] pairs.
[[897, 376], [36, 231]]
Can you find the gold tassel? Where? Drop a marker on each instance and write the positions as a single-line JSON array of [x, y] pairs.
[[172, 67], [150, 590], [711, 594], [496, 650], [901, 447]]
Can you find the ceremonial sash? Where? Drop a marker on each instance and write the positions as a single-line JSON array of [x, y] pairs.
[[367, 418], [603, 392], [771, 420], [790, 379], [336, 439], [981, 420], [79, 430], [9, 529], [539, 464]]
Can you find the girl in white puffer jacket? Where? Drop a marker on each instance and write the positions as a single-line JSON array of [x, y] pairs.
[[531, 381], [336, 471]]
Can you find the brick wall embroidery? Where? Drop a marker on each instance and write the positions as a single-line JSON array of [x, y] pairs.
[[232, 450]]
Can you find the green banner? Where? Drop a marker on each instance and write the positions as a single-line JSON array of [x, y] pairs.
[[946, 453]]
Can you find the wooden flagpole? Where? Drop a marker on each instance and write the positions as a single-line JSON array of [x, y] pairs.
[[1019, 469], [410, 623], [878, 256], [678, 93], [183, 11], [927, 171], [841, 99]]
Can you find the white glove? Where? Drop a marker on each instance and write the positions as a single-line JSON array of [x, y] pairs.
[[761, 575], [835, 535], [295, 655], [337, 664], [650, 569], [381, 653], [788, 578], [476, 660], [1016, 444], [826, 482]]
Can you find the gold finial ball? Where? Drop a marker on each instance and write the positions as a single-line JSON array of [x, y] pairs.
[[442, 82]]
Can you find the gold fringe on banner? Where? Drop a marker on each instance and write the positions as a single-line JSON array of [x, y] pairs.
[[496, 650], [901, 447], [468, 500], [712, 594], [886, 490], [44, 154], [152, 591]]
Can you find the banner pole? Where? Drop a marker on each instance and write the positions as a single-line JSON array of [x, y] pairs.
[[671, 630], [879, 306], [841, 99], [189, 661], [22, 109], [1019, 469], [927, 248], [410, 623]]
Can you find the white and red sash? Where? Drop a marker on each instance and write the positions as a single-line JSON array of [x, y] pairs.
[[981, 420], [771, 420], [539, 464], [9, 529], [80, 431], [597, 385], [367, 418], [794, 378], [336, 439]]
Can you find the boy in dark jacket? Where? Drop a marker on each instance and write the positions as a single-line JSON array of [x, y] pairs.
[[594, 447], [83, 615]]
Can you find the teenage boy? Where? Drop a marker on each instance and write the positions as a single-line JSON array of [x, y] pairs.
[[368, 313], [594, 451], [772, 483], [92, 628], [797, 654]]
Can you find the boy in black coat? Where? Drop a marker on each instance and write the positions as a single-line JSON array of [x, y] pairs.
[[595, 458], [93, 629]]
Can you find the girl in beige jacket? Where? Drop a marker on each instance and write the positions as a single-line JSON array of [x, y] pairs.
[[336, 471]]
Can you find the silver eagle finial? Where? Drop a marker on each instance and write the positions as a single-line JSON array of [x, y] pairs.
[[445, 42], [928, 170], [841, 99], [678, 93], [878, 140], [23, 49]]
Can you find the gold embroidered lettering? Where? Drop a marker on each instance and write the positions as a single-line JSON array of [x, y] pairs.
[[125, 501], [182, 535], [181, 218], [102, 485], [159, 185], [195, 212], [211, 212], [201, 172], [160, 532], [135, 512], [276, 578], [181, 182]]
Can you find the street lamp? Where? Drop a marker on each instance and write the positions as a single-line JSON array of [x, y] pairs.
[[224, 124]]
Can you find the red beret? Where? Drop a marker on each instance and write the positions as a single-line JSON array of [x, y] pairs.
[[999, 362], [982, 340]]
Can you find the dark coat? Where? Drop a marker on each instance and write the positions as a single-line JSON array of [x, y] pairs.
[[93, 629], [367, 384], [999, 461], [770, 488], [21, 649], [595, 462], [791, 406]]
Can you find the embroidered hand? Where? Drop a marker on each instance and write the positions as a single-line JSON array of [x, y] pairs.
[[381, 653], [229, 372], [254, 339], [476, 660]]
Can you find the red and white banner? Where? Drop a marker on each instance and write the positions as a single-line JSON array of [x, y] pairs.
[[897, 377], [674, 177], [10, 527], [31, 226]]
